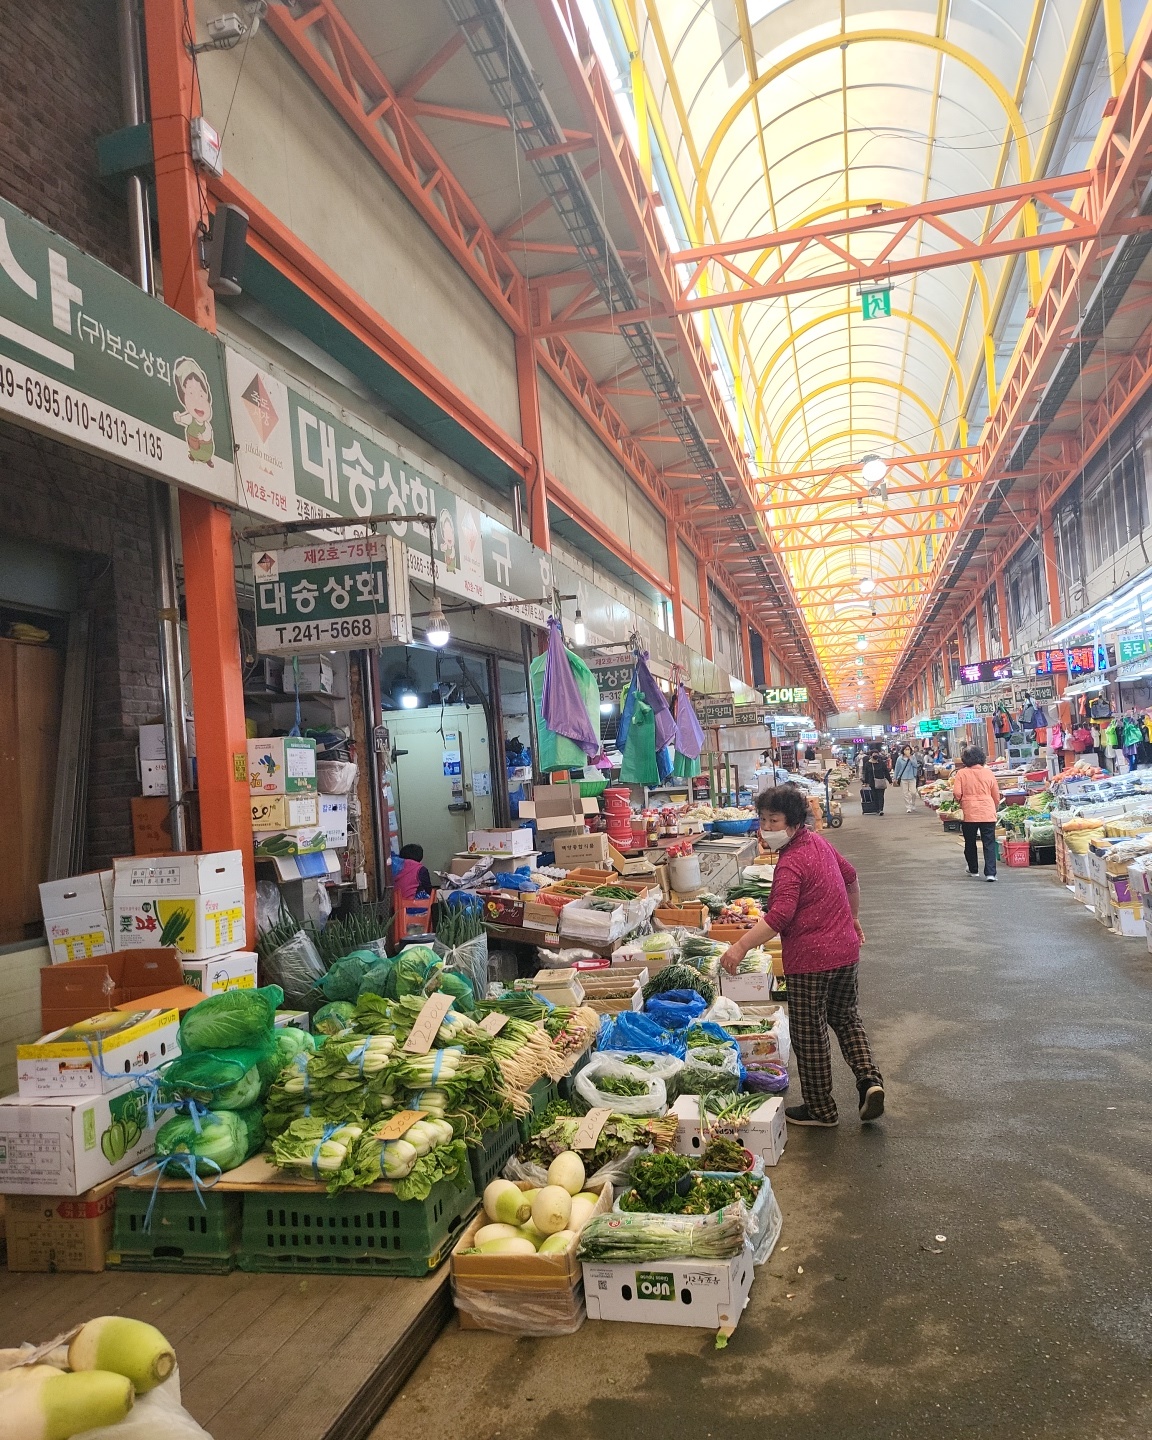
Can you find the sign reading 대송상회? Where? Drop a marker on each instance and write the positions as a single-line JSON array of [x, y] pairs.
[[90, 359], [332, 595]]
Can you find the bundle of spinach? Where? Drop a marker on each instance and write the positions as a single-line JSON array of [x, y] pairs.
[[672, 1185]]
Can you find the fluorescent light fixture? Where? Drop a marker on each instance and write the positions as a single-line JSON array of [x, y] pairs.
[[436, 631], [861, 642], [867, 586], [873, 469], [606, 707], [579, 633]]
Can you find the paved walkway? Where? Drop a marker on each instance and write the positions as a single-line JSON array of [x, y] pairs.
[[1014, 1034]]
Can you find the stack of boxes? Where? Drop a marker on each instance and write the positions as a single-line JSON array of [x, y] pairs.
[[78, 916], [285, 797]]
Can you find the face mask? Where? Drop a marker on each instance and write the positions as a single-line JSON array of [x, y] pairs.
[[775, 839]]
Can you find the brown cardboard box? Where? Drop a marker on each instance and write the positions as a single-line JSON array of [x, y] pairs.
[[61, 1232], [558, 809], [152, 824], [581, 850], [180, 997], [81, 988]]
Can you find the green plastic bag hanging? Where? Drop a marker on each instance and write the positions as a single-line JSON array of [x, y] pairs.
[[639, 767], [557, 752], [685, 768]]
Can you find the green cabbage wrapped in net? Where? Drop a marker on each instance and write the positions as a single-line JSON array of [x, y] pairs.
[[332, 1019], [375, 981], [231, 1019], [223, 1079], [225, 1139], [346, 975]]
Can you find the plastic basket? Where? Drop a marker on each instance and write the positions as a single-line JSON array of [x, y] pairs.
[[1042, 854], [590, 789], [489, 1158], [735, 827], [1016, 854], [953, 827], [352, 1234], [183, 1234], [566, 1084]]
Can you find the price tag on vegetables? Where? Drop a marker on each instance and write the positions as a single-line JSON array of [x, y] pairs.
[[494, 1023], [588, 1131], [393, 1128], [428, 1022]]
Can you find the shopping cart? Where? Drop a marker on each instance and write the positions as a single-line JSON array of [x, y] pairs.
[[833, 814]]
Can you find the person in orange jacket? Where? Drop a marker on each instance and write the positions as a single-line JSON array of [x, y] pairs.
[[979, 795]]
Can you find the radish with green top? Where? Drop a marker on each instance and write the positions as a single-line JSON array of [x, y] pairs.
[[126, 1347], [39, 1402]]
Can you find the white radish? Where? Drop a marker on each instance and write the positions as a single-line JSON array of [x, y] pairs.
[[510, 1245], [551, 1209], [558, 1244], [495, 1232], [506, 1203], [580, 1213], [567, 1171], [126, 1347], [39, 1402]]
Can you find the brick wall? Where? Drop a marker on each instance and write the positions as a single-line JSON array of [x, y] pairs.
[[55, 495], [59, 90]]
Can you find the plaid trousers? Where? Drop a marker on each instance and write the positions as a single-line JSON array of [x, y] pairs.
[[817, 1000]]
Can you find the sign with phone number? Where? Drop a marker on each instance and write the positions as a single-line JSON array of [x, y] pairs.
[[340, 595]]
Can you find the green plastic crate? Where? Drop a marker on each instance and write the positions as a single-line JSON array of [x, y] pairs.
[[566, 1084], [354, 1233], [489, 1158], [542, 1094], [183, 1234]]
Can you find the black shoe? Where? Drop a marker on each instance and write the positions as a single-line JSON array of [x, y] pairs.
[[871, 1102], [801, 1115]]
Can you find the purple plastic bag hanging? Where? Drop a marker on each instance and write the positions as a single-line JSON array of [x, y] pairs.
[[689, 731], [654, 696], [561, 703]]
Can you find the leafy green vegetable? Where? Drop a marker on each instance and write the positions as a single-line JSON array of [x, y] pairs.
[[225, 1139], [621, 1085], [231, 1019], [672, 1185], [620, 1134], [679, 977]]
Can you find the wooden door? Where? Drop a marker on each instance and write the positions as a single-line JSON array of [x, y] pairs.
[[31, 682]]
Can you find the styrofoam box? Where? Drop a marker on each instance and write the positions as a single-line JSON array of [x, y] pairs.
[[65, 1146], [764, 1133], [709, 1294], [234, 971], [57, 1065]]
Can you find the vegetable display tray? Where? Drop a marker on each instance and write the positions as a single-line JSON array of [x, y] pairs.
[[489, 1158], [182, 1235], [352, 1234]]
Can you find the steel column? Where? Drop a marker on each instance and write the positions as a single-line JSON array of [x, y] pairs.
[[705, 607], [672, 540], [532, 439]]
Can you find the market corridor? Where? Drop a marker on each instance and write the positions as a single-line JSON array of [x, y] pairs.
[[1013, 1033]]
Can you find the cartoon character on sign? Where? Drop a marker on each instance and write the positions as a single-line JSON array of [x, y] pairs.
[[196, 417], [448, 542]]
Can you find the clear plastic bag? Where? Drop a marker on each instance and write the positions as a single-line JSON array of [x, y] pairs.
[[335, 777], [296, 967], [722, 1012], [522, 1312], [614, 1173], [159, 1415], [470, 959], [653, 1102], [650, 1064]]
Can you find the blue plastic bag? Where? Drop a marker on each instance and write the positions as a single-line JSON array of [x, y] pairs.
[[676, 1009], [635, 1032]]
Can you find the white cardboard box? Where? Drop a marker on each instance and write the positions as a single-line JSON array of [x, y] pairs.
[[285, 812], [315, 673], [764, 1133], [77, 895], [72, 1062], [334, 820], [76, 937], [204, 889], [234, 971], [282, 766], [197, 873], [78, 916], [65, 1146], [754, 986], [710, 1294], [152, 743], [515, 842]]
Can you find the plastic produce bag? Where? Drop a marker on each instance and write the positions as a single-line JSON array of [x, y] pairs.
[[665, 725], [632, 1031], [333, 1018], [561, 701], [652, 1063], [471, 961], [158, 1415], [210, 1143], [689, 731], [639, 761], [654, 1100], [708, 1069], [723, 1011], [346, 975], [614, 1173], [221, 1079], [676, 1009], [375, 981], [231, 1019], [557, 752], [519, 1312], [296, 967]]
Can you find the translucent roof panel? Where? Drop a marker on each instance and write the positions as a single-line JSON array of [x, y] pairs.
[[771, 114]]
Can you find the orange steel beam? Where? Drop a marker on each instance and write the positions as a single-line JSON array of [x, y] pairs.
[[1122, 164], [844, 497], [205, 528], [855, 516], [852, 467], [810, 240], [840, 544], [432, 66], [331, 54], [532, 437], [426, 109]]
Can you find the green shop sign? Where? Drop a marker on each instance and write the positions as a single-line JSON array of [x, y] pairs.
[[90, 359], [331, 595], [1133, 648], [929, 727]]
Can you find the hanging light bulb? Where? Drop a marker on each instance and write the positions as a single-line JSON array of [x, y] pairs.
[[873, 469], [579, 633], [861, 642], [408, 698], [867, 586], [436, 631]]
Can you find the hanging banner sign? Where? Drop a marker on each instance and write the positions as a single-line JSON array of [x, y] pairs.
[[985, 707], [715, 712], [786, 695], [750, 715], [90, 359], [981, 672], [967, 715], [331, 595], [929, 727], [949, 721], [1084, 660]]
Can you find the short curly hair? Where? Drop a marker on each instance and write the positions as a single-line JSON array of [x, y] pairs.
[[784, 800]]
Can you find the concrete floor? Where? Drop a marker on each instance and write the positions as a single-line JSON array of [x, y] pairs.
[[1013, 1033]]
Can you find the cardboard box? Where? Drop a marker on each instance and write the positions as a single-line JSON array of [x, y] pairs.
[[579, 922], [558, 808], [514, 842], [1128, 919], [234, 971], [152, 743], [562, 987], [75, 937], [83, 988], [282, 766], [154, 777], [755, 986], [286, 812], [77, 918], [695, 917], [298, 1019], [200, 926], [271, 843], [614, 1007], [195, 872], [334, 821], [313, 674], [152, 823], [67, 1145], [764, 1133], [1083, 891], [70, 1234], [504, 910], [96, 1056], [180, 998], [774, 1044], [580, 850], [77, 895], [710, 1294]]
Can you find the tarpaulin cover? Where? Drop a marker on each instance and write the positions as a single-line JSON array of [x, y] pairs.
[[665, 724]]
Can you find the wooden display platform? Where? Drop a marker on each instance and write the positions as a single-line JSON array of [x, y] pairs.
[[262, 1357]]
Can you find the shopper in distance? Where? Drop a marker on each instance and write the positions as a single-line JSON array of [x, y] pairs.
[[876, 776], [978, 793], [815, 911], [906, 774]]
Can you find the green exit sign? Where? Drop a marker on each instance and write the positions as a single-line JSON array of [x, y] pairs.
[[875, 304]]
